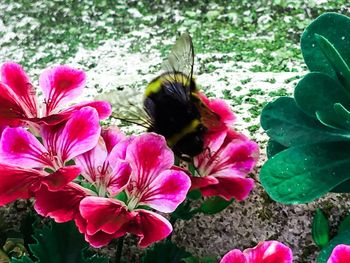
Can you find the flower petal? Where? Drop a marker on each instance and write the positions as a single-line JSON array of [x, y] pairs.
[[17, 183], [60, 85], [340, 254], [80, 134], [149, 226], [101, 238], [112, 136], [234, 256], [103, 108], [118, 179], [19, 147], [62, 205], [61, 177], [230, 187], [103, 214], [167, 191], [268, 252], [148, 156], [14, 76], [93, 162], [200, 182]]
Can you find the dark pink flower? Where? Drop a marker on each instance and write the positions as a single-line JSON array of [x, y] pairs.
[[222, 168], [60, 85], [340, 254], [27, 165], [264, 252], [138, 168], [152, 183], [60, 143]]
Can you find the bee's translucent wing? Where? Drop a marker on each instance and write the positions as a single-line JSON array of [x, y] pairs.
[[181, 57], [127, 106]]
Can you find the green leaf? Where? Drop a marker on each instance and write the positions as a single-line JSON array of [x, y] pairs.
[[286, 124], [165, 252], [199, 260], [184, 211], [336, 61], [273, 148], [320, 229], [214, 205], [24, 259], [344, 225], [61, 243], [317, 92], [341, 238], [304, 173], [334, 27], [194, 194], [342, 188], [343, 114]]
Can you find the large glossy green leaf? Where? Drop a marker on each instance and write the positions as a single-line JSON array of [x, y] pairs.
[[336, 60], [342, 188], [317, 93], [335, 28], [341, 238], [286, 124], [273, 148], [304, 173]]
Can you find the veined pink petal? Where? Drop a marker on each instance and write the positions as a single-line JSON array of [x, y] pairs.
[[230, 187], [64, 175], [103, 108], [148, 155], [101, 238], [112, 136], [340, 254], [11, 112], [19, 147], [62, 205], [200, 182], [269, 252], [103, 214], [149, 226], [119, 151], [17, 183], [14, 76], [167, 191], [118, 179], [60, 85], [80, 134], [234, 256], [94, 162]]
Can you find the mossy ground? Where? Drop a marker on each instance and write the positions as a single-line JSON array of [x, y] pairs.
[[247, 52]]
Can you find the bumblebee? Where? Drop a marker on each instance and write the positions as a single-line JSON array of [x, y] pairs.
[[173, 106]]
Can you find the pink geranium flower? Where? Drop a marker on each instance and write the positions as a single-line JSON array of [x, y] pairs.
[[264, 252], [46, 163], [340, 254], [61, 84], [138, 168], [222, 168]]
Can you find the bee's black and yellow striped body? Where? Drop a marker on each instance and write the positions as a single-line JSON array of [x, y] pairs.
[[169, 104]]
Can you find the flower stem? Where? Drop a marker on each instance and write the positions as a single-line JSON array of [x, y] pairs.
[[118, 254]]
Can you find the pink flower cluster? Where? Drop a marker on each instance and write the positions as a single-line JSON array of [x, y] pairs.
[[108, 183], [222, 168], [277, 252]]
